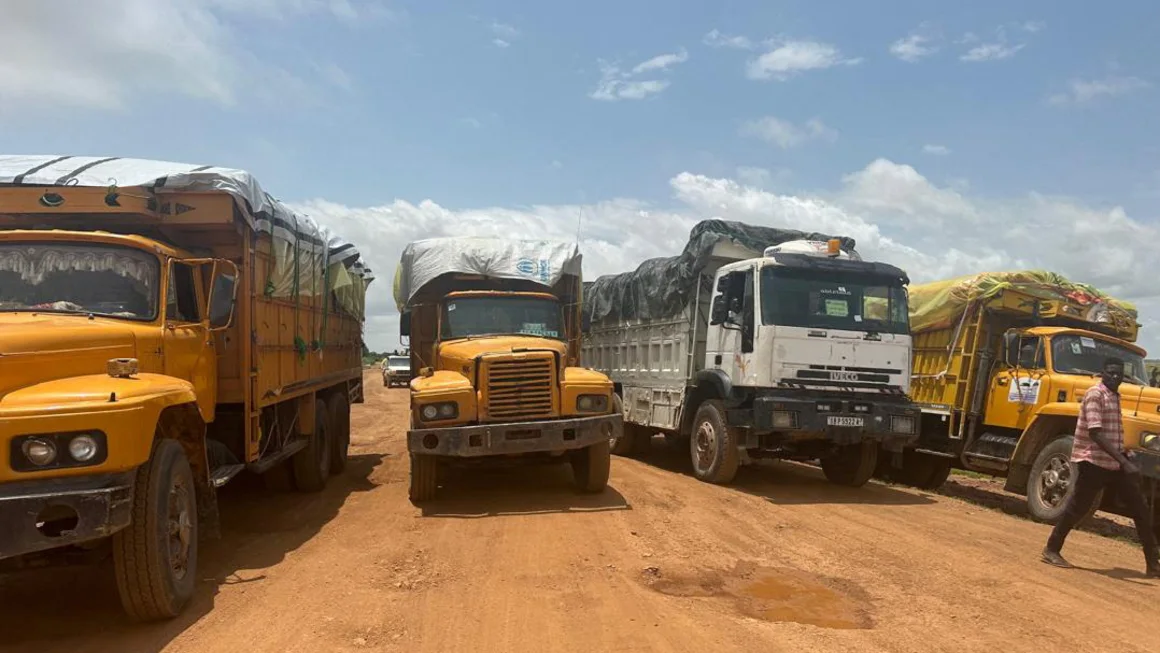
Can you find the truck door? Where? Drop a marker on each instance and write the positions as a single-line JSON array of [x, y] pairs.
[[188, 345], [732, 344], [1017, 390]]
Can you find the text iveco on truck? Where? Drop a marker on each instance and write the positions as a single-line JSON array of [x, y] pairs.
[[494, 329], [156, 339], [758, 342]]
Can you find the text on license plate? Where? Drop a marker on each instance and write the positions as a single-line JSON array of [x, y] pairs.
[[835, 420]]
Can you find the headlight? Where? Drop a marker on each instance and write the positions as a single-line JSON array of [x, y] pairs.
[[39, 451], [1150, 441], [902, 424], [784, 419], [83, 448], [441, 411], [592, 403]]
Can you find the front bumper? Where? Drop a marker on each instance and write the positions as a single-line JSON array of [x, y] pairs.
[[838, 424], [514, 438], [101, 506]]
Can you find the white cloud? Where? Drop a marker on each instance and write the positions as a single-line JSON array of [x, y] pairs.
[[991, 52], [785, 134], [661, 62], [917, 45], [1033, 26], [500, 43], [101, 54], [504, 31], [1080, 91], [790, 58], [715, 39], [937, 150], [894, 212], [616, 84]]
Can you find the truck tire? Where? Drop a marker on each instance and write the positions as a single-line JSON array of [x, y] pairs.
[[923, 471], [424, 477], [312, 464], [155, 557], [623, 445], [279, 478], [1052, 482], [340, 431], [590, 467], [712, 447], [851, 465]]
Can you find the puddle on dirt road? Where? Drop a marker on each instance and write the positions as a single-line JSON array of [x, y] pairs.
[[777, 595]]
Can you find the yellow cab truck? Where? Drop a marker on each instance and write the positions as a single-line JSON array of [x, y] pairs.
[[494, 333], [163, 327], [1001, 363]]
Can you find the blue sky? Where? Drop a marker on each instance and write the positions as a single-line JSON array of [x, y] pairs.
[[924, 129]]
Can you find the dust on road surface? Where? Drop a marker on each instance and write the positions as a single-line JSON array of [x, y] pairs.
[[515, 561]]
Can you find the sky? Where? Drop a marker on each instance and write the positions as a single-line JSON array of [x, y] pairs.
[[946, 138]]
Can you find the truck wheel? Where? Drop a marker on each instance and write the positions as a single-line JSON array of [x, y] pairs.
[[312, 464], [712, 446], [1052, 482], [622, 445], [424, 477], [924, 471], [590, 467], [340, 431], [155, 557], [279, 478], [851, 465]]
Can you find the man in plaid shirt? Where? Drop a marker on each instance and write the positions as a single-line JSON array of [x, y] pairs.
[[1099, 454]]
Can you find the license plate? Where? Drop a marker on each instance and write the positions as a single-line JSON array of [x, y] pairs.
[[835, 420]]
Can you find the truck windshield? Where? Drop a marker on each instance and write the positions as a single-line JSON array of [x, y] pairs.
[[832, 300], [1076, 354], [487, 316], [398, 363], [71, 278]]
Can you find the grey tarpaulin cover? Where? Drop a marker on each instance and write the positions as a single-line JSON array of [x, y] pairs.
[[320, 254], [540, 261], [661, 287]]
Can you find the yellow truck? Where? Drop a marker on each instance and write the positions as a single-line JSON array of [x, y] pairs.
[[163, 327], [1001, 362], [494, 333]]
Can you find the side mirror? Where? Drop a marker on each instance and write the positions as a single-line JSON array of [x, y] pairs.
[[405, 325], [223, 295], [1011, 348], [719, 311]]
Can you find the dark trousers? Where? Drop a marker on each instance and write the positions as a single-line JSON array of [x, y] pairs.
[[1092, 478]]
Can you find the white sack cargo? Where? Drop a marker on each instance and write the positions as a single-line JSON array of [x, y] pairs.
[[309, 259], [539, 261]]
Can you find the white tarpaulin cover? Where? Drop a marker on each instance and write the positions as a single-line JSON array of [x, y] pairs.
[[543, 262], [322, 258]]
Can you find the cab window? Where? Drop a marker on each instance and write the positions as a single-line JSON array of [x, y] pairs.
[[181, 296]]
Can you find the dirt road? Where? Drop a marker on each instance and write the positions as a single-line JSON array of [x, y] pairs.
[[515, 561]]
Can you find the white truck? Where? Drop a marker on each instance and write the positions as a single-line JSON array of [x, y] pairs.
[[755, 343]]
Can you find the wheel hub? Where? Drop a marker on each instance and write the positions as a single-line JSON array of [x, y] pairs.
[[180, 522], [1054, 481], [706, 445]]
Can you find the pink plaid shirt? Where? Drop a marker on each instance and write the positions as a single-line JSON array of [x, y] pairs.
[[1100, 410]]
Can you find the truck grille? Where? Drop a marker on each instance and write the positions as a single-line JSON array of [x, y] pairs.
[[520, 389]]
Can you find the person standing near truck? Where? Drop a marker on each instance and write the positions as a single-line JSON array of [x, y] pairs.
[[1099, 453]]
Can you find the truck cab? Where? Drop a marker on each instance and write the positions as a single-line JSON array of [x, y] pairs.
[[495, 368], [820, 341]]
